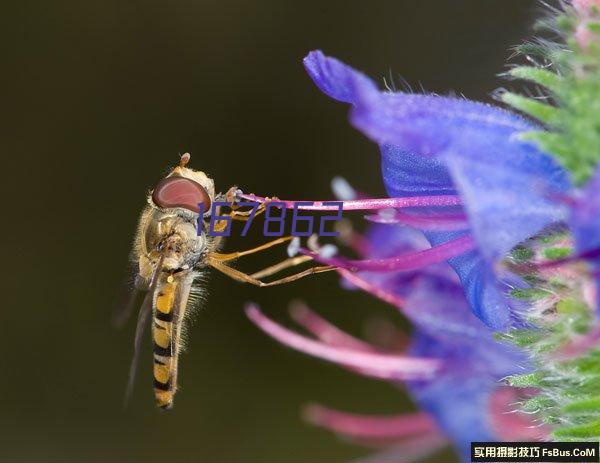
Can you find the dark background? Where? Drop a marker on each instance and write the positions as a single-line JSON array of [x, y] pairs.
[[101, 97]]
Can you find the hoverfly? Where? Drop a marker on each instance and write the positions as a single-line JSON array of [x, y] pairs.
[[171, 253]]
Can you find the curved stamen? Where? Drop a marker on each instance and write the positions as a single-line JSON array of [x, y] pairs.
[[329, 333], [325, 331], [585, 255], [405, 262], [370, 288], [442, 222], [366, 204], [382, 366], [355, 425]]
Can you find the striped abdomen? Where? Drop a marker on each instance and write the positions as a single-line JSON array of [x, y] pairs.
[[168, 311]]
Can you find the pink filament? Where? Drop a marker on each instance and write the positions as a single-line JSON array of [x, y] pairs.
[[586, 255], [446, 222], [355, 241], [325, 331], [405, 262], [383, 335], [329, 333], [382, 366], [349, 424], [366, 204], [370, 288]]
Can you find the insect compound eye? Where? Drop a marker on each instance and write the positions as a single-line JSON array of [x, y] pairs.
[[180, 192]]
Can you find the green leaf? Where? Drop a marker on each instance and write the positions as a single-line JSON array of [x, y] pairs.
[[528, 380], [571, 307], [594, 27], [522, 254], [585, 406], [584, 431], [537, 403], [560, 146], [542, 111], [533, 49], [557, 253], [529, 293], [543, 77]]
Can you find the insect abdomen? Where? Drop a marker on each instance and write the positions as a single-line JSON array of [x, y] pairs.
[[165, 336]]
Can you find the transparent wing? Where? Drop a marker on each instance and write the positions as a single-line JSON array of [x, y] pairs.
[[143, 316], [129, 301]]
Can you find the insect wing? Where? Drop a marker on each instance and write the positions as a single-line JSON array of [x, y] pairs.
[[143, 316]]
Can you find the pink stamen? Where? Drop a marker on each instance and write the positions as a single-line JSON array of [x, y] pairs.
[[329, 333], [355, 241], [354, 425], [325, 331], [370, 288], [586, 255], [384, 335], [442, 222], [405, 262], [367, 204], [382, 366]]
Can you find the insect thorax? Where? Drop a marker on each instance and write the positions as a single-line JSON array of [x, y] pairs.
[[172, 234]]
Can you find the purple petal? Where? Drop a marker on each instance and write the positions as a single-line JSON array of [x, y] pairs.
[[494, 171], [585, 216], [584, 221], [474, 362], [333, 77], [435, 145]]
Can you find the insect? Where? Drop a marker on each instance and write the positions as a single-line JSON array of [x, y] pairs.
[[171, 251]]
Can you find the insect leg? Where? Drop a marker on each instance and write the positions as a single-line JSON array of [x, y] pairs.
[[287, 263], [246, 215], [234, 255], [244, 277]]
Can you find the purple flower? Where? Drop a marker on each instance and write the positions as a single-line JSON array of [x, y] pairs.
[[473, 362], [435, 147], [584, 222], [451, 367]]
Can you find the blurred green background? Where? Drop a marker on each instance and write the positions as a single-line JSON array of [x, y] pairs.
[[100, 99]]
